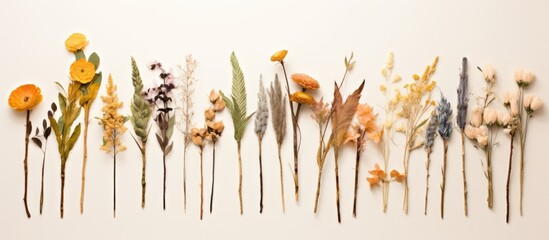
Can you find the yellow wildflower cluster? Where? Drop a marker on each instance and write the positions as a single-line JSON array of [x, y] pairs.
[[112, 121]]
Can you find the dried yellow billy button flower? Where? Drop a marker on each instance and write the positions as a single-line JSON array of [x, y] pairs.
[[302, 97], [279, 56]]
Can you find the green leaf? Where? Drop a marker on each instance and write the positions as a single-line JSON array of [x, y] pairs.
[[94, 58], [238, 87], [74, 137], [62, 102], [79, 54], [420, 125], [171, 124]]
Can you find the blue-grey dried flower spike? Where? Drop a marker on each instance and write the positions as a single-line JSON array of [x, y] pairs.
[[444, 112], [430, 132], [463, 96], [262, 113]]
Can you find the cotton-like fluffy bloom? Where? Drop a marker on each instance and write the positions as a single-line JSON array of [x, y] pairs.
[[524, 77], [471, 132], [476, 117], [490, 116], [532, 103], [482, 136], [489, 73], [504, 118]]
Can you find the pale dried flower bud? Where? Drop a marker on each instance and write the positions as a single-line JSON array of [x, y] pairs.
[[482, 136], [209, 114], [397, 78], [504, 118], [489, 73], [219, 105], [476, 117], [527, 100], [214, 96], [524, 77], [401, 127], [470, 132], [536, 103], [490, 116]]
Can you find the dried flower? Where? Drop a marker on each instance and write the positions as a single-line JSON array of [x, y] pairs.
[[209, 114], [430, 132], [302, 98], [75, 42], [25, 97], [214, 95], [490, 116], [279, 56], [463, 96], [378, 175], [444, 112], [397, 176], [262, 112], [489, 73], [305, 81], [524, 77], [82, 71]]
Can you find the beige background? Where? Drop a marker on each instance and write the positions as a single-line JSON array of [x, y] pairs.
[[318, 34]]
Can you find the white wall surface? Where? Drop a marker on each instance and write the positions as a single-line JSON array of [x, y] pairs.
[[318, 35]]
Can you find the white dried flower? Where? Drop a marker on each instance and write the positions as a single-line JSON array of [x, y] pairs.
[[524, 77], [490, 116], [476, 117], [489, 73]]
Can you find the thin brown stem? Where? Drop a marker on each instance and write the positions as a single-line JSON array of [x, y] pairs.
[[294, 129], [164, 183], [42, 181], [490, 198], [114, 184], [62, 187], [213, 178], [85, 156], [25, 160], [260, 178], [240, 179], [427, 166], [336, 157], [465, 192], [201, 183], [443, 185], [317, 195], [509, 176], [185, 179], [356, 179], [281, 180], [143, 173]]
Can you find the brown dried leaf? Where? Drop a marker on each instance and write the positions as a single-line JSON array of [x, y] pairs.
[[343, 113]]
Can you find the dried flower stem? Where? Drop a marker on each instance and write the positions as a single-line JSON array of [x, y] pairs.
[[42, 181], [260, 177], [295, 126], [509, 176], [281, 180], [523, 129], [465, 192], [356, 178], [114, 182], [407, 153], [28, 126], [443, 185], [213, 177], [143, 174], [427, 165], [185, 179], [240, 178], [201, 182], [85, 157], [336, 157]]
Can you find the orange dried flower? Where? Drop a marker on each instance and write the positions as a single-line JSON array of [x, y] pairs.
[[25, 97], [82, 71], [305, 81], [378, 175], [279, 56], [397, 176], [75, 42], [302, 97]]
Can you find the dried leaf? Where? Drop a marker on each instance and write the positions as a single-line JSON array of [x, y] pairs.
[[343, 113], [37, 142]]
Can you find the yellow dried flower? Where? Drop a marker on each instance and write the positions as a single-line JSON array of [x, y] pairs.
[[302, 97], [397, 78], [305, 81], [382, 88], [279, 56], [415, 76], [112, 120], [75, 42], [82, 71]]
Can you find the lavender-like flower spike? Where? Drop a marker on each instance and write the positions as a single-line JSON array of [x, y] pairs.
[[262, 113], [463, 96], [430, 132], [278, 108], [444, 112]]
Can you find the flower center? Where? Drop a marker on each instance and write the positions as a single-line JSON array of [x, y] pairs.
[[82, 70], [25, 99]]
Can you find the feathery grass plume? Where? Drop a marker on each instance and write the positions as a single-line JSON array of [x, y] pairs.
[[445, 126], [184, 112], [359, 133], [113, 126], [83, 71], [141, 114], [65, 135], [40, 139], [307, 83], [261, 120], [214, 129], [25, 98], [461, 120], [342, 116], [278, 109], [161, 96], [387, 137], [527, 104], [413, 104], [482, 128], [237, 107], [430, 135]]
